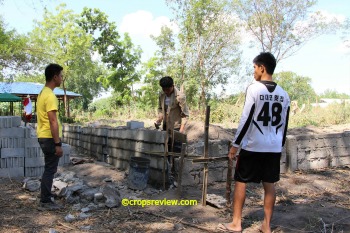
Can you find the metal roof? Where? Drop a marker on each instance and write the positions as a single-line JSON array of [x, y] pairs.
[[27, 88], [7, 97]]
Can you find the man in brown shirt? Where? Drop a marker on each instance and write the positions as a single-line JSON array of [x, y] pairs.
[[172, 107], [173, 112]]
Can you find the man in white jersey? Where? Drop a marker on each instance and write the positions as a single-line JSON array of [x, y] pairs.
[[261, 135]]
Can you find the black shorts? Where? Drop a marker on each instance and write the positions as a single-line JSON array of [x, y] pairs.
[[257, 166]]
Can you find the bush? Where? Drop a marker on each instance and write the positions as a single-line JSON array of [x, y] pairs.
[[226, 113], [69, 120]]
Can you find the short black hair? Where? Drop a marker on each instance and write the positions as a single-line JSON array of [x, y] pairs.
[[166, 82], [51, 70], [266, 59]]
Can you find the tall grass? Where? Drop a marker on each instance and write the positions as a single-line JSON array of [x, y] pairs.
[[224, 114], [333, 114], [116, 116]]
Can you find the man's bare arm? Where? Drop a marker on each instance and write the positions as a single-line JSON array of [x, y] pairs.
[[55, 131]]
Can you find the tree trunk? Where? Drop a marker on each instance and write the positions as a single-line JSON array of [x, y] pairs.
[[65, 101], [202, 101]]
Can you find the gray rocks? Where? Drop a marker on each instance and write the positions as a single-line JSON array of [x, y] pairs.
[[112, 196], [31, 184]]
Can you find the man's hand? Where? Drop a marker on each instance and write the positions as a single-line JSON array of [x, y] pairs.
[[157, 124], [232, 153], [182, 129], [59, 151]]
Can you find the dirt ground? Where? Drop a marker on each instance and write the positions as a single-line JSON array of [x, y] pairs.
[[312, 201]]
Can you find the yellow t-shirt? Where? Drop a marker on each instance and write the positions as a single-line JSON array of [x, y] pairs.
[[46, 102]]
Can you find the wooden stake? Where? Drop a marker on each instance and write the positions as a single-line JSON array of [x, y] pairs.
[[229, 179], [206, 155], [181, 164]]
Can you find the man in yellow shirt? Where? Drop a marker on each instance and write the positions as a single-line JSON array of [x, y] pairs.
[[49, 131]]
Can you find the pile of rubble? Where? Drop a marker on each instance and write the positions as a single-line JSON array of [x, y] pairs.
[[83, 198]]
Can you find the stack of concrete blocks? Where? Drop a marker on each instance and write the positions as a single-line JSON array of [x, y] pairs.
[[35, 160], [126, 143], [12, 138], [20, 153], [307, 152]]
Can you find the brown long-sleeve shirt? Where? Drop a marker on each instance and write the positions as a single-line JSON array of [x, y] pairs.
[[177, 113]]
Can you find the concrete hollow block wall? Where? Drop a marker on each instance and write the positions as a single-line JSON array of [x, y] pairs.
[[305, 152], [117, 145]]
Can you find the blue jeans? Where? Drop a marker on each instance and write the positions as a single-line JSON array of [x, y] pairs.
[[51, 162]]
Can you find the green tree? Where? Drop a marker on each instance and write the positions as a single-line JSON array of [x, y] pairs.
[[14, 51], [121, 55], [39, 78], [166, 52], [151, 73], [346, 33], [123, 70], [163, 63], [64, 42], [209, 41], [333, 94], [282, 27], [297, 87]]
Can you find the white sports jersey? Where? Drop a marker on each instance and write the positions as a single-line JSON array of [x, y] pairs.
[[264, 121]]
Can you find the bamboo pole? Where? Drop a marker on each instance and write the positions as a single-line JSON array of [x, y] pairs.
[[206, 155], [165, 154], [171, 158], [207, 160], [169, 125]]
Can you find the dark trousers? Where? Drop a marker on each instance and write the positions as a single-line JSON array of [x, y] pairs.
[[173, 146], [51, 162]]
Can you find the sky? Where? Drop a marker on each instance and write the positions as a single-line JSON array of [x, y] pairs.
[[326, 60]]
